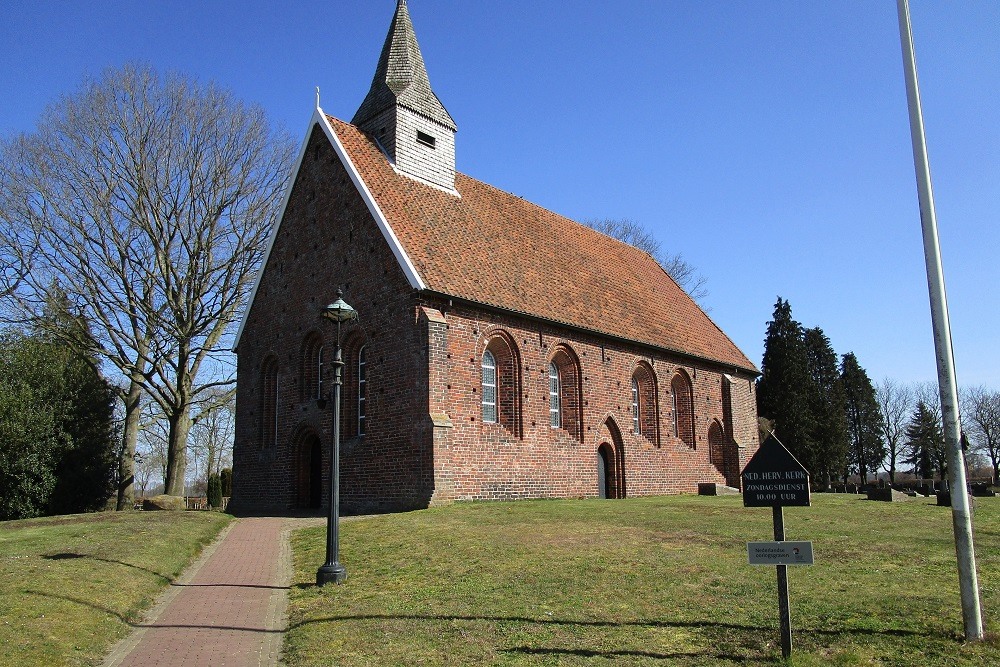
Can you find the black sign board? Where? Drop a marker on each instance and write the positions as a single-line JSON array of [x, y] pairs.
[[774, 478]]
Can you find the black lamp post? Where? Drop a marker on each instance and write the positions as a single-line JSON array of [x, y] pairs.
[[332, 570]]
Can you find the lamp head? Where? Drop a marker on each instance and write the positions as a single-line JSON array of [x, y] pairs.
[[339, 311]]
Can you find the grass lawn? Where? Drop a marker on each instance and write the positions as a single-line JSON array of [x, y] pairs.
[[70, 585], [646, 581]]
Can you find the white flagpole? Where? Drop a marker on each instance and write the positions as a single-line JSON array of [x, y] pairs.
[[947, 384]]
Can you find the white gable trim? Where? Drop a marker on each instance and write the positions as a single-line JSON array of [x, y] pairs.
[[383, 224], [319, 118]]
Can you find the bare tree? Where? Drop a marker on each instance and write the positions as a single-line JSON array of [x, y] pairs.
[[634, 234], [981, 413], [896, 403], [153, 197], [151, 447], [18, 244], [214, 428]]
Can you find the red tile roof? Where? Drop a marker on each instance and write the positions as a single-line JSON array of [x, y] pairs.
[[494, 248]]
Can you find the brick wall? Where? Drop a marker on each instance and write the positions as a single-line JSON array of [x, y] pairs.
[[492, 461]]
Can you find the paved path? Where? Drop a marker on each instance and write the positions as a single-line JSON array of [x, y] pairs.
[[227, 609]]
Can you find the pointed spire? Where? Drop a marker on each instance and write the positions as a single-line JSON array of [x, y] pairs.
[[401, 78]]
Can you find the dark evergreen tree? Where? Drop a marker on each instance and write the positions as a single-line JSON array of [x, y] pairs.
[[784, 386], [214, 491], [31, 440], [85, 471], [924, 439], [864, 419], [828, 408], [56, 425], [226, 477]]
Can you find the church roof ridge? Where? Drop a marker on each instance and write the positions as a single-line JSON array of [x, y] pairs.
[[401, 77]]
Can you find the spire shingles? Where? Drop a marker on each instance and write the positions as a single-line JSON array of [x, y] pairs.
[[401, 78]]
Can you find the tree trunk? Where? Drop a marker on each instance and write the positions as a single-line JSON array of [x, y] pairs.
[[180, 425], [130, 433]]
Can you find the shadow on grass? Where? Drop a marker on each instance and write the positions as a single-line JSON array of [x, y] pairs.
[[154, 624], [586, 653], [610, 624], [70, 555]]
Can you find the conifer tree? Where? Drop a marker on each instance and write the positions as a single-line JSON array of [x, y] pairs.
[[783, 388], [924, 438], [864, 419], [827, 405]]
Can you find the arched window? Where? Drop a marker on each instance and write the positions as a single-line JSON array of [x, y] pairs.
[[683, 408], [362, 390], [555, 419], [644, 404], [269, 402], [635, 406], [501, 384], [565, 390], [489, 388], [355, 389], [673, 410], [312, 367]]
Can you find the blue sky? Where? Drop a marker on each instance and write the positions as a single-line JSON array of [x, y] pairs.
[[767, 141]]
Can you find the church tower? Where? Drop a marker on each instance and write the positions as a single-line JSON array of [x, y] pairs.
[[402, 112]]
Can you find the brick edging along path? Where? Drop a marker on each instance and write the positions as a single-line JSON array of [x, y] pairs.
[[228, 608]]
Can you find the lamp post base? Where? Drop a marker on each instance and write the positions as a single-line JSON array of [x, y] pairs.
[[334, 573]]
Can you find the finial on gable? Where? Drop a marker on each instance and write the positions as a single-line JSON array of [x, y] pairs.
[[317, 97]]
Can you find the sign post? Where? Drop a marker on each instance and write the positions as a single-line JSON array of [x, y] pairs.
[[774, 478]]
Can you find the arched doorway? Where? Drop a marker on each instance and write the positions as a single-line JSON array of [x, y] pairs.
[[604, 467], [611, 464], [309, 480]]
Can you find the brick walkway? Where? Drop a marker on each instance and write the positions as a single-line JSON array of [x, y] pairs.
[[228, 608]]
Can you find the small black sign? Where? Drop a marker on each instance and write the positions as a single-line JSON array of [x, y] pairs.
[[774, 478]]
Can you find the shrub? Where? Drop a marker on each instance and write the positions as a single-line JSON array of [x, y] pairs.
[[214, 491]]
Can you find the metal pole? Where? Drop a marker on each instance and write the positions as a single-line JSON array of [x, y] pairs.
[[948, 386], [784, 609], [332, 570]]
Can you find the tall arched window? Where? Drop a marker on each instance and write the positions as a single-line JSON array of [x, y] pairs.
[[635, 406], [312, 367], [489, 388], [362, 390], [645, 410], [269, 402], [555, 419], [683, 408], [673, 411], [565, 392], [354, 404], [501, 384]]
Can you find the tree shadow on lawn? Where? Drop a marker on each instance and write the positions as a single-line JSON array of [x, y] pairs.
[[169, 580], [586, 653], [836, 632], [145, 625], [71, 556], [556, 653]]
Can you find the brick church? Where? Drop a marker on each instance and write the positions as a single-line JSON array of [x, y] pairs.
[[501, 351]]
